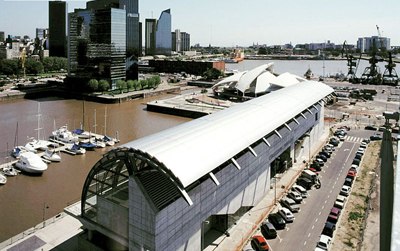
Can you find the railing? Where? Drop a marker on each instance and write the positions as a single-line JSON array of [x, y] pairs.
[[31, 230]]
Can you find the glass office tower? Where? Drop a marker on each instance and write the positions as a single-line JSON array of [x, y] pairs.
[[97, 45], [57, 28], [150, 36], [163, 34]]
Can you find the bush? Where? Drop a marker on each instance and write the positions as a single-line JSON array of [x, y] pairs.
[[130, 84], [93, 85], [121, 84]]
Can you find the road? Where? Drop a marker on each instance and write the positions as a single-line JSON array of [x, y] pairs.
[[303, 233]]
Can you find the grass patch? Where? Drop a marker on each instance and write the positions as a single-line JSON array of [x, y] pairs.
[[349, 243], [354, 216]]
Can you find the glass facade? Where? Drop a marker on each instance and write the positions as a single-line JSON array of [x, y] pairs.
[[150, 37], [163, 34], [97, 44], [57, 28]]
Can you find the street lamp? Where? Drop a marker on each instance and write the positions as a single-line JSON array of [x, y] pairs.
[[202, 233], [45, 206]]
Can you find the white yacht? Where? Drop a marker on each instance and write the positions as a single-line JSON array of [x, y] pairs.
[[63, 135], [31, 163], [51, 155], [10, 171], [22, 149]]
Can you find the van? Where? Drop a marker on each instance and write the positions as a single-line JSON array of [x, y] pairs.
[[304, 182], [290, 204], [300, 190], [309, 175]]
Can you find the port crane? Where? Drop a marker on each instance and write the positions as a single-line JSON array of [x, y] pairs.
[[390, 76], [351, 63]]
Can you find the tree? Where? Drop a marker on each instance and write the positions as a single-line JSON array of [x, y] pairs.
[[262, 51], [32, 66], [48, 64], [103, 85], [129, 83], [211, 74], [93, 85], [135, 84], [158, 80], [9, 66], [143, 83], [121, 84], [151, 82]]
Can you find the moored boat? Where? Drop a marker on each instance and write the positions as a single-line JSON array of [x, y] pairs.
[[10, 171], [31, 163], [3, 179], [75, 148], [63, 135], [87, 145], [51, 155]]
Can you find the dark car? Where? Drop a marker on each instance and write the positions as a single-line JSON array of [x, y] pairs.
[[259, 243], [329, 229], [304, 182], [326, 153], [356, 162], [316, 166], [323, 157], [277, 221], [358, 156], [268, 230], [334, 142], [348, 182], [370, 127], [375, 137], [382, 129], [347, 128], [332, 218], [366, 140]]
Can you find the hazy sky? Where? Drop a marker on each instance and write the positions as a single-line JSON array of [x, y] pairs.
[[234, 22]]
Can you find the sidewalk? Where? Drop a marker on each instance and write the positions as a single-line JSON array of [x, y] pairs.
[[246, 226], [59, 235]]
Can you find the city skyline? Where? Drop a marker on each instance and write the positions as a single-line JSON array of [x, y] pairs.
[[231, 23]]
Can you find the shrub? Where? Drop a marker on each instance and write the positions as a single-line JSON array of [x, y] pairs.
[[93, 85], [103, 85]]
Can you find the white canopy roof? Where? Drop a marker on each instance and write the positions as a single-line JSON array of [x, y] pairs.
[[194, 149]]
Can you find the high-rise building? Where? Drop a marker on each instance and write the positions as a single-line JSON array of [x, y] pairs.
[[58, 28], [163, 33], [185, 41], [2, 36], [40, 33], [366, 43], [150, 36], [140, 39], [97, 45], [180, 41]]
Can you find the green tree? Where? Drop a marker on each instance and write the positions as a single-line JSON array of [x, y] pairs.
[[60, 63], [144, 83], [135, 84], [93, 85], [129, 83], [262, 51], [158, 80], [9, 66], [121, 84], [151, 82], [48, 64], [211, 74], [32, 66], [103, 85]]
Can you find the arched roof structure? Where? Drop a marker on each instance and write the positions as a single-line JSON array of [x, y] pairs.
[[181, 155]]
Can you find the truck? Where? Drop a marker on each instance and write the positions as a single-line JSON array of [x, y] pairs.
[[309, 175]]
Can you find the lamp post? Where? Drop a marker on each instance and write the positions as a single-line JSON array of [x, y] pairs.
[[202, 233], [45, 206]]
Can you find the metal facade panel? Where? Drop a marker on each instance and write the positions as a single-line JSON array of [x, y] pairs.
[[194, 149]]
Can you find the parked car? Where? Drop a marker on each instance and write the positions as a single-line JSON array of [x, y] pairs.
[[347, 128], [277, 220], [325, 153], [361, 150], [351, 175], [259, 243], [328, 149], [366, 140], [335, 211], [353, 168], [323, 157], [341, 138], [248, 249], [324, 242], [348, 182], [329, 229], [330, 146], [363, 145], [319, 161], [332, 218], [382, 129], [268, 230], [356, 162], [295, 196], [370, 127], [290, 204], [316, 166], [345, 191], [301, 190], [375, 137], [339, 202], [286, 214], [304, 182], [358, 156], [334, 142]]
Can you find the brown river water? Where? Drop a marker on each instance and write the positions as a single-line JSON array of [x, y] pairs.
[[22, 198]]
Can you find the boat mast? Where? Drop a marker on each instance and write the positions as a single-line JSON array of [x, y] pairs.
[[16, 137], [39, 119], [105, 122], [83, 115], [95, 125]]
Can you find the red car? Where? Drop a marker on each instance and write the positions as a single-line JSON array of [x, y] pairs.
[[259, 243], [351, 175]]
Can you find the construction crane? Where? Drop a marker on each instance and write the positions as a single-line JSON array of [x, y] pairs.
[[371, 74], [22, 59]]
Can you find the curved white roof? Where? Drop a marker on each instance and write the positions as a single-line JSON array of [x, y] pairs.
[[194, 149], [252, 75]]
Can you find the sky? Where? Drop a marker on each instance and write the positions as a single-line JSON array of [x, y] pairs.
[[228, 23]]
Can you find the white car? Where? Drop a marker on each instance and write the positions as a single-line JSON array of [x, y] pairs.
[[363, 145], [341, 137], [286, 214], [324, 242], [331, 146], [340, 200], [354, 166], [345, 190]]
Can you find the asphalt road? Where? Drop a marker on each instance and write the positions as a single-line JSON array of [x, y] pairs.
[[303, 233]]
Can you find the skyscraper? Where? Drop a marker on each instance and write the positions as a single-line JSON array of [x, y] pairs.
[[40, 33], [150, 36], [163, 33], [180, 41], [2, 36], [185, 41], [57, 28], [97, 45]]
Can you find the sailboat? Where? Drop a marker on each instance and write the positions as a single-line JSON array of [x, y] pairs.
[[20, 149], [108, 140], [80, 132], [9, 170], [3, 179], [38, 143], [97, 142], [75, 148], [51, 155]]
